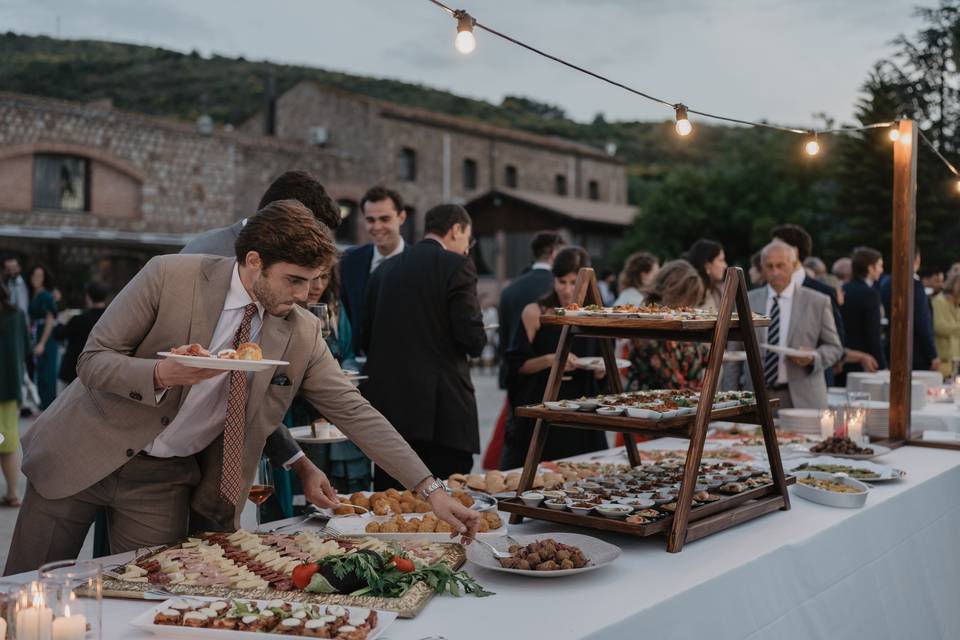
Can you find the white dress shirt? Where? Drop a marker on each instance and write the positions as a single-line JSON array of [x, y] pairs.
[[541, 265], [798, 276], [204, 410], [786, 303], [379, 257]]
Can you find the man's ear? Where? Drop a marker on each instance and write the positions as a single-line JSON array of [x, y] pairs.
[[253, 260]]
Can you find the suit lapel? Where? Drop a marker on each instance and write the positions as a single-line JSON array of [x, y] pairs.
[[795, 305], [274, 337], [208, 298]]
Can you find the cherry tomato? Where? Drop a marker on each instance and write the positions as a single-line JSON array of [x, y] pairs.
[[403, 564], [303, 574]]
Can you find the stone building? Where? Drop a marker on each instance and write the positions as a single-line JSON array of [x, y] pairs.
[[93, 192]]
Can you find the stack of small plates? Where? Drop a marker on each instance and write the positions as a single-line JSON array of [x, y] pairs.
[[878, 420], [805, 421]]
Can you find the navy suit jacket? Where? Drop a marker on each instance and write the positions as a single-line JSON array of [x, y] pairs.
[[527, 288], [924, 348], [861, 317], [829, 291]]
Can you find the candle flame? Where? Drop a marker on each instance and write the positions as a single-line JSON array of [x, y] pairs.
[[66, 612]]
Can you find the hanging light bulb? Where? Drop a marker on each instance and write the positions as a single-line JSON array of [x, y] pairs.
[[812, 147], [958, 185], [465, 42], [894, 133], [683, 125]]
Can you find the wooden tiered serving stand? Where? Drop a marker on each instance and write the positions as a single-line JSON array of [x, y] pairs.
[[685, 525]]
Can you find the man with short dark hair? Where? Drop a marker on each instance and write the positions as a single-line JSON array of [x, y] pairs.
[[861, 308], [383, 215], [150, 438], [924, 347], [421, 323]]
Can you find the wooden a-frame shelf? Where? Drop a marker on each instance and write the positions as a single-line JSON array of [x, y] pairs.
[[687, 523]]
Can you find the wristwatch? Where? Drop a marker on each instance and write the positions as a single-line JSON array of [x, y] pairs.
[[430, 488]]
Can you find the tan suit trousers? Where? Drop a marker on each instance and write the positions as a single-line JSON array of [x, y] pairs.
[[147, 500]]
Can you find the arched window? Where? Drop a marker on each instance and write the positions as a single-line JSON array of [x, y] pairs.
[[61, 182]]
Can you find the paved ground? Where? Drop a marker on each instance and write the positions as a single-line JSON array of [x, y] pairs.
[[489, 402]]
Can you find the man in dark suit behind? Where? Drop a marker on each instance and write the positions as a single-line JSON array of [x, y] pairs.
[[924, 348], [383, 214], [861, 307], [421, 322], [526, 288]]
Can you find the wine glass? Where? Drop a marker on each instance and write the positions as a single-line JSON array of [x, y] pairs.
[[323, 313], [259, 493]]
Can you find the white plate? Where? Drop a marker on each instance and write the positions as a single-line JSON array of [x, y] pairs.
[[144, 621], [303, 434], [572, 314], [356, 526], [562, 405], [878, 450], [884, 472], [645, 414], [595, 363], [203, 362], [597, 552]]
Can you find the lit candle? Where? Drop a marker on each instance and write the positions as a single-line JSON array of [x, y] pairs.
[[69, 627], [855, 427], [3, 629], [34, 623], [827, 421]]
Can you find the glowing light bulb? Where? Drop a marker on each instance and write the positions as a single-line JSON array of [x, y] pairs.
[[812, 147], [958, 185], [465, 42], [683, 125], [894, 135]]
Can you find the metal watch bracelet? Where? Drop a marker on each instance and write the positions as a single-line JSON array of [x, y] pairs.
[[430, 488]]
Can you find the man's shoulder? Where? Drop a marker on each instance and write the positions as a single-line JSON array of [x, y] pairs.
[[820, 287], [810, 296], [356, 255], [219, 241]]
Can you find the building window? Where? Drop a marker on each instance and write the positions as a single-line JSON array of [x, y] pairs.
[[347, 231], [593, 189], [408, 165], [560, 184], [469, 174], [61, 182], [510, 176]]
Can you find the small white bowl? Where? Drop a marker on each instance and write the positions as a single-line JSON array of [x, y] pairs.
[[532, 498], [637, 503], [562, 405], [832, 498], [556, 505], [581, 511], [610, 411], [614, 510], [644, 414]]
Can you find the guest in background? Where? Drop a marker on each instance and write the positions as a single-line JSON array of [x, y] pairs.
[[756, 271], [861, 309], [14, 346], [46, 349], [843, 269], [834, 282], [421, 323], [638, 273], [528, 287], [670, 364], [800, 318], [77, 330], [815, 267], [924, 348], [605, 282], [383, 214], [946, 323], [932, 279], [530, 358], [708, 258], [954, 268], [17, 288]]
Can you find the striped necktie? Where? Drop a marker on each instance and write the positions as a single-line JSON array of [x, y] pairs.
[[230, 472], [771, 360]]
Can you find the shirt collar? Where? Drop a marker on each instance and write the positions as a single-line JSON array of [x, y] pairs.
[[379, 256], [798, 276], [786, 293], [237, 296], [541, 265]]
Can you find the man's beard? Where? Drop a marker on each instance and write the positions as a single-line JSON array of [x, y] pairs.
[[266, 297]]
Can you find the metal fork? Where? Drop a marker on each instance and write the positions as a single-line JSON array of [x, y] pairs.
[[500, 555]]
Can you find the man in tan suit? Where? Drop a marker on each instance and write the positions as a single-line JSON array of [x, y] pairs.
[[149, 438]]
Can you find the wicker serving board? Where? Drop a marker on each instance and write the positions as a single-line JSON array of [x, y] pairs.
[[406, 606]]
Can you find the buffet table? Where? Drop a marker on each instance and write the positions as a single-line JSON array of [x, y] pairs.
[[889, 570]]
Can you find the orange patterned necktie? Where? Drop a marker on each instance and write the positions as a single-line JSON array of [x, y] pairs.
[[230, 474]]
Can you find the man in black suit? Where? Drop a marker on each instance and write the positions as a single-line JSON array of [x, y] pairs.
[[861, 307], [421, 322], [525, 288], [383, 214], [924, 348]]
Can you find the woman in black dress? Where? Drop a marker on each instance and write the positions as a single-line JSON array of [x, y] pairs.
[[529, 360]]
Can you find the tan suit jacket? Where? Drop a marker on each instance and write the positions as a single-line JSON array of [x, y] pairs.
[[110, 412]]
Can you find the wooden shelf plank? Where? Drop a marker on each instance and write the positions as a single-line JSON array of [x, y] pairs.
[[730, 518], [641, 324]]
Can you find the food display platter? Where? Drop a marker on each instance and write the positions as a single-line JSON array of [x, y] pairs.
[[598, 553], [863, 470], [406, 606]]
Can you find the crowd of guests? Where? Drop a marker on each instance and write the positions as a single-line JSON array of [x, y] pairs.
[[409, 317]]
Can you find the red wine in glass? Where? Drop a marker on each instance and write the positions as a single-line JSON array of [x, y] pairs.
[[259, 493]]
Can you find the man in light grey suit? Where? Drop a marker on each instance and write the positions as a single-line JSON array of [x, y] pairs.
[[802, 319], [280, 448]]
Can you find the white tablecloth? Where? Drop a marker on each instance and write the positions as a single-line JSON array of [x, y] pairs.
[[888, 571]]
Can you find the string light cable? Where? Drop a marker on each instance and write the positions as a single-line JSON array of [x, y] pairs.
[[465, 42]]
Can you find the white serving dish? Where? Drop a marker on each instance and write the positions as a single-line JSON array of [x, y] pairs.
[[613, 510], [356, 526], [645, 414], [223, 364], [562, 405], [884, 472], [144, 621], [610, 411], [831, 498], [597, 552], [532, 498]]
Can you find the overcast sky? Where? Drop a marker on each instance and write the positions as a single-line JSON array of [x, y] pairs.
[[782, 60]]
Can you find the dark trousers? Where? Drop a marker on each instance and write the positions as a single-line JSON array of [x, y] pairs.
[[442, 462]]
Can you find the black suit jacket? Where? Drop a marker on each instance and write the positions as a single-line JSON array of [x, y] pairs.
[[861, 318], [924, 347], [421, 321], [354, 274], [827, 290], [75, 333], [527, 288]]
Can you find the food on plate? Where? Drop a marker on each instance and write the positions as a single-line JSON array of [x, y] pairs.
[[853, 472], [733, 487], [843, 446], [306, 620], [828, 485], [544, 555], [244, 351], [489, 521], [190, 350]]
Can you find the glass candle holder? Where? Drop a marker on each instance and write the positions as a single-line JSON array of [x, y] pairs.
[[9, 598], [32, 615], [828, 423], [76, 587]]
